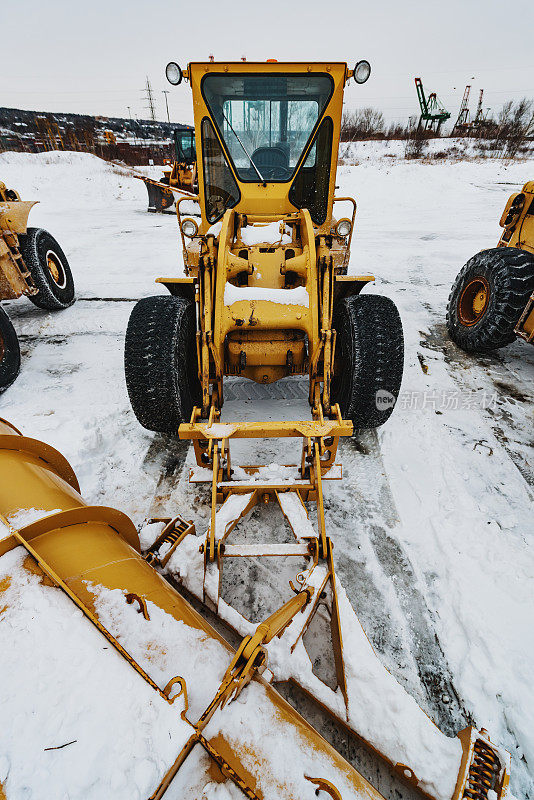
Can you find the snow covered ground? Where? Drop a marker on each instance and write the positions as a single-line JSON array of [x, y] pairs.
[[432, 523]]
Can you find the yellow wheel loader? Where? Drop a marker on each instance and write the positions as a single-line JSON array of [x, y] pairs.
[[180, 178], [31, 263], [492, 299]]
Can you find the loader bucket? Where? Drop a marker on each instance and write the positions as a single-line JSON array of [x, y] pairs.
[[50, 536]]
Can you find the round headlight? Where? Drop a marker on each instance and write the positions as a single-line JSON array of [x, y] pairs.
[[362, 70], [343, 227], [189, 228], [173, 73]]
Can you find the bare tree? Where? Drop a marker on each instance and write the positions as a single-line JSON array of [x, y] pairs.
[[513, 127], [416, 140], [364, 123]]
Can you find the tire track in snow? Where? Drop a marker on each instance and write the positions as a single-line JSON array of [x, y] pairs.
[[382, 584], [511, 417]]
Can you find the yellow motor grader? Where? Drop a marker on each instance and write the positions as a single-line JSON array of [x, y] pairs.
[[492, 299], [31, 263], [266, 296], [180, 177]]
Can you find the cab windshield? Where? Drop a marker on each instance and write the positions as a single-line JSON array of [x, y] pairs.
[[266, 121], [184, 145]]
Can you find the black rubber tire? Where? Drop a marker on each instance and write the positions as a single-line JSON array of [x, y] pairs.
[[9, 352], [52, 295], [369, 359], [160, 362], [509, 273]]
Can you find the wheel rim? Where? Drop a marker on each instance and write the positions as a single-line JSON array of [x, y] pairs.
[[473, 301], [56, 269]]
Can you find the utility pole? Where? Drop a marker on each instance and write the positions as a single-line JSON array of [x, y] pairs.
[[166, 92], [150, 99]]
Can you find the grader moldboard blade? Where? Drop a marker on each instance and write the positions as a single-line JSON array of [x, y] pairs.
[[89, 552], [235, 727], [160, 195]]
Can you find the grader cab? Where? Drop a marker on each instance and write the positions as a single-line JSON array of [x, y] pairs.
[[492, 299], [31, 263]]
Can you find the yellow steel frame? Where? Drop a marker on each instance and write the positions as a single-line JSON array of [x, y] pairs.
[[519, 232], [15, 280], [259, 338]]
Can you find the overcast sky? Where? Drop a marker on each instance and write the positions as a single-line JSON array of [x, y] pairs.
[[62, 55]]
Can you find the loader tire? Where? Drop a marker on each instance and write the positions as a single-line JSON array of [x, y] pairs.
[[160, 362], [369, 359], [9, 352], [488, 297], [49, 269]]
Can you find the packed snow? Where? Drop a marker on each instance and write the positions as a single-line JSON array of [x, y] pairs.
[[287, 297], [432, 522], [269, 233], [77, 721]]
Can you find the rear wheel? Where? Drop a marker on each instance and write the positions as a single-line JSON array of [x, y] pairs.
[[369, 359], [49, 269], [160, 362], [488, 297], [9, 352]]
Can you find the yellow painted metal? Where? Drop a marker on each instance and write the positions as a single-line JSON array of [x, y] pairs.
[[525, 326], [265, 430], [79, 547], [518, 222], [269, 199], [14, 215], [265, 310], [15, 279]]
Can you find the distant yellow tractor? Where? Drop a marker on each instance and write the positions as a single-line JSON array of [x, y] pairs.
[[492, 299], [31, 263], [180, 176], [267, 293]]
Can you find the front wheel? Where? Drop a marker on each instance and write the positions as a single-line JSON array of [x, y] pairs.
[[488, 297], [160, 362], [9, 352], [369, 359], [49, 269]]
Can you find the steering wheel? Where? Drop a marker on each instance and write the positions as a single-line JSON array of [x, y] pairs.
[[275, 173]]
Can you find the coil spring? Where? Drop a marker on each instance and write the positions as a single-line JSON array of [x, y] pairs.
[[482, 773], [169, 538]]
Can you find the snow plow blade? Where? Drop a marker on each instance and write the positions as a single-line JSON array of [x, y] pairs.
[[259, 743], [90, 553], [160, 196]]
